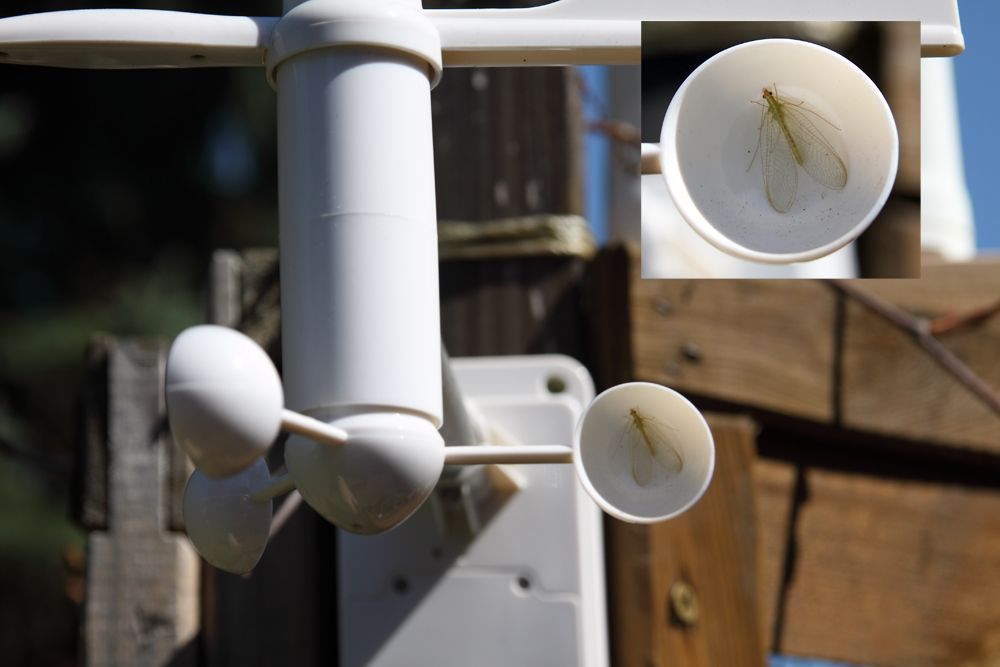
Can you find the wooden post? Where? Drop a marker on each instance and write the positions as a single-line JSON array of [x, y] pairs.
[[683, 593], [143, 581]]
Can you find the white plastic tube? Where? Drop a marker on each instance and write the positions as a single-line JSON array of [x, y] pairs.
[[359, 288], [483, 454]]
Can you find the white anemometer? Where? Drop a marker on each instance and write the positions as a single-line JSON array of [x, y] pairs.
[[361, 357], [368, 472]]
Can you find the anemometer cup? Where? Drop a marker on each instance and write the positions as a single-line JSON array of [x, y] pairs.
[[224, 399], [226, 526], [710, 134], [379, 477], [602, 456]]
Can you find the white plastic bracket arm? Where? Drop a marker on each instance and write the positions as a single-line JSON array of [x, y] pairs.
[[314, 429], [650, 159], [477, 455], [567, 32]]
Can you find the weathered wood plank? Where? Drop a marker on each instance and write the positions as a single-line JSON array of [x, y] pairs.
[[891, 386], [142, 581], [761, 343], [609, 321], [507, 143], [771, 345], [900, 65], [774, 491], [891, 247], [711, 548], [895, 572], [943, 288]]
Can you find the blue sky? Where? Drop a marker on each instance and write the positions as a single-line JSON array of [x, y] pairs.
[[977, 79]]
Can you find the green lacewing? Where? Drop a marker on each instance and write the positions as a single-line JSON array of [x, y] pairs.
[[789, 138], [649, 440]]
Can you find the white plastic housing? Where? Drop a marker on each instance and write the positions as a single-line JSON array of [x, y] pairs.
[[710, 133], [359, 285], [385, 470], [602, 443], [225, 525], [382, 24], [224, 398]]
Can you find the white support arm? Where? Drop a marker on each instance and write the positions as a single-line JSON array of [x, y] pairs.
[[134, 39], [314, 429], [567, 32], [650, 159], [280, 485], [486, 454]]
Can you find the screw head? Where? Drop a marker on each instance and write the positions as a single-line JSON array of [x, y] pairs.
[[691, 351], [663, 306], [683, 603]]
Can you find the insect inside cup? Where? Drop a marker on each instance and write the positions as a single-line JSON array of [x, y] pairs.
[[788, 137], [649, 440]]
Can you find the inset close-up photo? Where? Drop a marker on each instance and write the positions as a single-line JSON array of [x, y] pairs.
[[780, 150]]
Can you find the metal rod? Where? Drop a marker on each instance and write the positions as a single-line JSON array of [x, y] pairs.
[[314, 429], [503, 454]]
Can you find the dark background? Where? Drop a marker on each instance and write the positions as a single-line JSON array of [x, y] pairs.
[[115, 188]]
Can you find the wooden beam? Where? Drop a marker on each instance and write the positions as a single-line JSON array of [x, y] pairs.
[[892, 387], [142, 580], [895, 572], [712, 550], [773, 345], [761, 343]]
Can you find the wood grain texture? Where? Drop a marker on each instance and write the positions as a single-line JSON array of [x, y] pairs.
[[142, 581], [900, 65], [762, 343], [890, 247], [774, 490], [507, 143], [895, 572], [943, 288], [891, 386], [712, 547], [609, 321]]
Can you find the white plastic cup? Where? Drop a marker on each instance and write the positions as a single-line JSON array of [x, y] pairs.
[[224, 398], [226, 526], [710, 133], [601, 453]]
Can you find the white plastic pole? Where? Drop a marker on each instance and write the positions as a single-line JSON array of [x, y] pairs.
[[358, 226]]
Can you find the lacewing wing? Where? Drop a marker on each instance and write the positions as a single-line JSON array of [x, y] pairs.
[[649, 441], [788, 138]]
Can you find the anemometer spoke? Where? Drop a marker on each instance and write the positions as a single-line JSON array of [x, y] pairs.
[[314, 429], [280, 485], [523, 454]]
